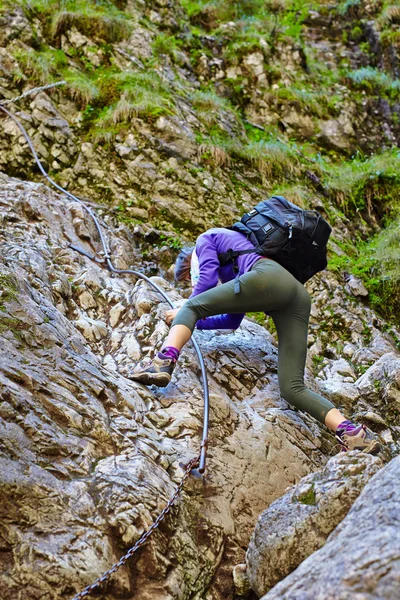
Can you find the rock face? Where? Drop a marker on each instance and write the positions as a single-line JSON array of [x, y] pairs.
[[361, 558], [299, 523], [152, 125], [88, 458]]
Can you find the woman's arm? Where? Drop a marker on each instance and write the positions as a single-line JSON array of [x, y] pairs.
[[208, 264], [220, 322]]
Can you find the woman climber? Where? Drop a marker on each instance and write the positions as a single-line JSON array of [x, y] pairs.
[[265, 286]]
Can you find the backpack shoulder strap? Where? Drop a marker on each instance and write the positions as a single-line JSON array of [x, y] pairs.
[[229, 256]]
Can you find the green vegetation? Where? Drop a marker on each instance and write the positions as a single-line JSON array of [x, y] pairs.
[[167, 45], [375, 81], [371, 185], [259, 317], [345, 6], [42, 66], [8, 293], [8, 290], [138, 94], [376, 262], [210, 107], [390, 15], [308, 497], [273, 158], [100, 20]]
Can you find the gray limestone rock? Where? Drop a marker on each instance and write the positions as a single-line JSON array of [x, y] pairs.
[[380, 385], [361, 558], [91, 458], [297, 524]]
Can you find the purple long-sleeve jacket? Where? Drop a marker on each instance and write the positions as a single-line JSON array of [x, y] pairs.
[[208, 246]]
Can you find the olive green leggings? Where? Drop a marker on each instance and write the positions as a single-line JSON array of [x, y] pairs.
[[268, 287]]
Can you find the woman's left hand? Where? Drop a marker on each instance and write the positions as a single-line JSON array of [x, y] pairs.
[[170, 315]]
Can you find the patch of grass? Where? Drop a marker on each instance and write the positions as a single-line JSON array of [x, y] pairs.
[[96, 19], [291, 21], [208, 105], [296, 193], [259, 317], [49, 64], [375, 81], [376, 262], [137, 95], [42, 66], [368, 186], [390, 15], [302, 99], [90, 20], [214, 154], [273, 159], [248, 36], [211, 14], [167, 45], [81, 87], [36, 6]]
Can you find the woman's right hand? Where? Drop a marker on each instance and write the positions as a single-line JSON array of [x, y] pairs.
[[170, 315]]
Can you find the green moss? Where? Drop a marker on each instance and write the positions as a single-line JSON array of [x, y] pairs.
[[7, 323], [8, 290], [308, 497]]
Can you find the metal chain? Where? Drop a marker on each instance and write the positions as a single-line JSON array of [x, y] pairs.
[[144, 537], [33, 91]]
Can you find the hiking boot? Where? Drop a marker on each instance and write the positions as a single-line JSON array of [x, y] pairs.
[[360, 438], [155, 371]]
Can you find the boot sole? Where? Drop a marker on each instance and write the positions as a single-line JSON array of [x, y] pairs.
[[158, 379]]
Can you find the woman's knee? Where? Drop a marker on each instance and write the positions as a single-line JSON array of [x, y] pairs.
[[194, 307]]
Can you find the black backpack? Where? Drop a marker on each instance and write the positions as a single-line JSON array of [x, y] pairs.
[[280, 230]]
